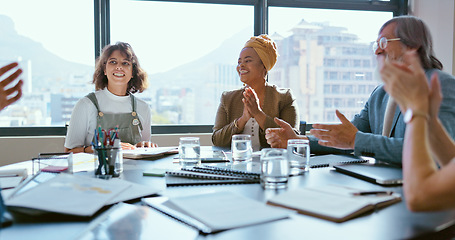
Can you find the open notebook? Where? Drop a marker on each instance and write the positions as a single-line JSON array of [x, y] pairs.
[[332, 202], [144, 153]]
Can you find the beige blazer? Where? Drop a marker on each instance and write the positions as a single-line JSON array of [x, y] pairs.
[[278, 102]]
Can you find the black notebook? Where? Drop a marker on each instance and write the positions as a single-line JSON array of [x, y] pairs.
[[379, 173], [331, 160], [209, 176]]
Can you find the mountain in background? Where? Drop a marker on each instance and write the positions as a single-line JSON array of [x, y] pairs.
[[44, 63], [226, 54]]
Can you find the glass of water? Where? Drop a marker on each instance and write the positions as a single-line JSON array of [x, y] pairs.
[[274, 168], [189, 151], [241, 147], [299, 155]]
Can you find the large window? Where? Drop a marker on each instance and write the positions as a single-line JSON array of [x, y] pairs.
[[319, 48], [190, 50], [54, 44]]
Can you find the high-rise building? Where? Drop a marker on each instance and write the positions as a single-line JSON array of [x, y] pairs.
[[326, 68]]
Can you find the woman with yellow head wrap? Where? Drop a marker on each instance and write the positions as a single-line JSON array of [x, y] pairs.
[[251, 109]]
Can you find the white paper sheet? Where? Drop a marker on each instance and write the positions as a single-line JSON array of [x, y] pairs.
[[69, 194], [226, 210]]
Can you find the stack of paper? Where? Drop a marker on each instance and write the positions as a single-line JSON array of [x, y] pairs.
[[144, 153]]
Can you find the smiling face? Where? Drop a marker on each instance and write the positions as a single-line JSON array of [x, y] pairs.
[[250, 67], [394, 49], [119, 71]]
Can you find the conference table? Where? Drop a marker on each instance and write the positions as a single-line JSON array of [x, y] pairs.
[[392, 222]]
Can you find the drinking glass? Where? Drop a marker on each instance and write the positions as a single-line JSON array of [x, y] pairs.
[[241, 148], [189, 151], [299, 155], [274, 168]]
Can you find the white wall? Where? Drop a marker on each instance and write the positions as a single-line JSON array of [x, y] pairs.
[[439, 16]]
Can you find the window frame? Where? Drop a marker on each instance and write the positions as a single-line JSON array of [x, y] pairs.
[[102, 38]]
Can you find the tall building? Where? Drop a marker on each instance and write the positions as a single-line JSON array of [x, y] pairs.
[[326, 68]]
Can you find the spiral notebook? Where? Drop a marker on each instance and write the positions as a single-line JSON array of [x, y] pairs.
[[209, 175], [331, 160]]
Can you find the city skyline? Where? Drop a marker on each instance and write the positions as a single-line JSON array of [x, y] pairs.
[[203, 72]]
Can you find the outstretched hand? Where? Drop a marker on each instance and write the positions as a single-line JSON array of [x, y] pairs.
[[278, 137], [340, 136]]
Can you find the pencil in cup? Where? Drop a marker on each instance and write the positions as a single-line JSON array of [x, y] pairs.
[[105, 165]]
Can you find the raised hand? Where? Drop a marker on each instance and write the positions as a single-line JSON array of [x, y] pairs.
[[7, 96]]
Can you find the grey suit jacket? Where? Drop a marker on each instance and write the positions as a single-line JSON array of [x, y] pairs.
[[369, 140]]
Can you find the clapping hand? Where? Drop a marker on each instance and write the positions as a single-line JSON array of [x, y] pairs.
[[7, 96]]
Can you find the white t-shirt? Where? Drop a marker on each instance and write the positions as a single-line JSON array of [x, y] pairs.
[[83, 118]]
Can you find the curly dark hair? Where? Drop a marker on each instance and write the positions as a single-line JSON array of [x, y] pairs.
[[138, 82]]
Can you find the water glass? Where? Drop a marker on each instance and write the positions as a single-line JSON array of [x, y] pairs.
[[189, 151], [241, 147], [274, 168], [299, 155]]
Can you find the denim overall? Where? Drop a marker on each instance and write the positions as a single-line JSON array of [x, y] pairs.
[[128, 123]]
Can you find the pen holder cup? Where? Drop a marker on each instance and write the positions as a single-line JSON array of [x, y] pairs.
[[108, 162]]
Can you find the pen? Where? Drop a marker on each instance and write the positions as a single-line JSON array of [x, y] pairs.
[[372, 193]]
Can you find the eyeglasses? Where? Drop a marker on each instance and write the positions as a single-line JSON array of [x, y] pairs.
[[382, 43]]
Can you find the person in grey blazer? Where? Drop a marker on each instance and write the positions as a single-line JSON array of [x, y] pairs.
[[366, 134]]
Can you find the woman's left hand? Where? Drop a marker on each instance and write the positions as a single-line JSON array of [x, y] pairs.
[[127, 146], [146, 144]]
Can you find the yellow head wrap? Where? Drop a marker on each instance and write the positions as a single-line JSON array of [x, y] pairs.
[[265, 48]]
